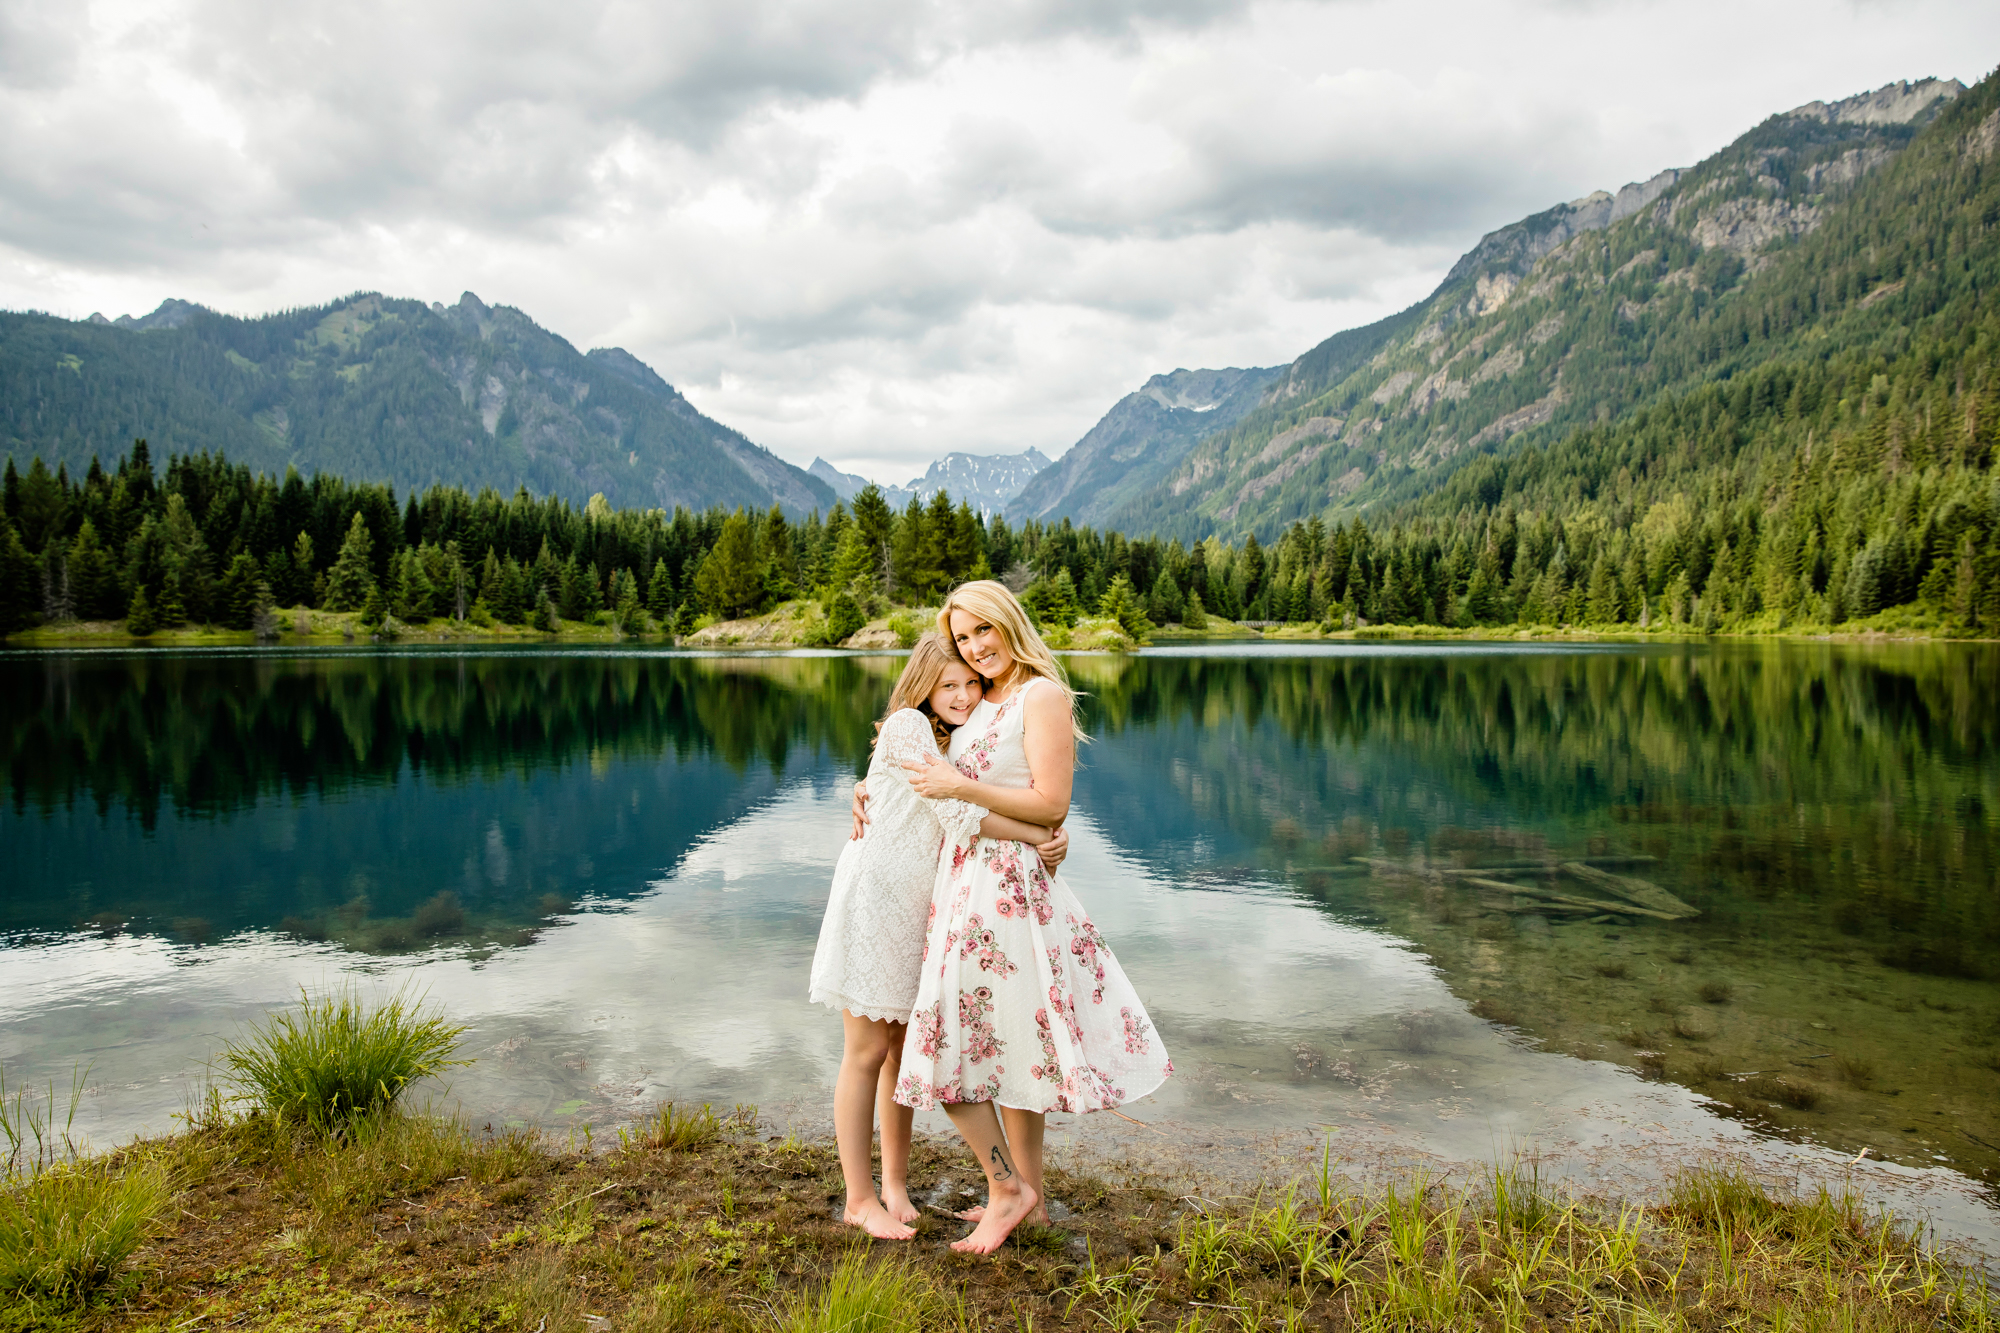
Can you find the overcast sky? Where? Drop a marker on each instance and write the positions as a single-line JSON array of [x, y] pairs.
[[877, 230]]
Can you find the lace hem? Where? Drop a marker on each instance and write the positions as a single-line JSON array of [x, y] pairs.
[[848, 1005]]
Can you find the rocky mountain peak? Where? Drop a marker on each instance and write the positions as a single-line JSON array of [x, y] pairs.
[[1899, 103]]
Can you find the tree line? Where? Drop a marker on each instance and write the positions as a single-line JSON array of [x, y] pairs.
[[1856, 491]]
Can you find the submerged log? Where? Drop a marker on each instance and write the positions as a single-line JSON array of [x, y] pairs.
[[1568, 901], [1641, 891]]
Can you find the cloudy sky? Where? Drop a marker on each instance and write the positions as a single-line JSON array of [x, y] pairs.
[[876, 230]]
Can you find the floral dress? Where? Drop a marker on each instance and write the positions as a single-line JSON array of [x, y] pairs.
[[1021, 1001], [871, 941]]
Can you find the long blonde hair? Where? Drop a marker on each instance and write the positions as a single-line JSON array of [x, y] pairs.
[[995, 603], [928, 661]]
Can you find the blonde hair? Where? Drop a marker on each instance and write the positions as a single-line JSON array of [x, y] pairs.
[[929, 660], [995, 603]]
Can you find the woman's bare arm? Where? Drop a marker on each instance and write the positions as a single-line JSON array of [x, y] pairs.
[[1051, 749]]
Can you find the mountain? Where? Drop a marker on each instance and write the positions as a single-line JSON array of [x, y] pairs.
[[1142, 438], [847, 485], [985, 481], [1578, 315], [379, 389]]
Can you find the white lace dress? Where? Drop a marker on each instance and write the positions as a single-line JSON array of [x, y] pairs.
[[871, 941], [1021, 1001]]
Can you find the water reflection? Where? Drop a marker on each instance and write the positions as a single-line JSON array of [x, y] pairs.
[[1348, 878]]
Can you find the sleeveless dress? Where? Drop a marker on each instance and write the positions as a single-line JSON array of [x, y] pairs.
[[1021, 1001], [871, 940]]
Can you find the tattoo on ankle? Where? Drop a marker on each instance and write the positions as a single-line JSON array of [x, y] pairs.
[[1002, 1170]]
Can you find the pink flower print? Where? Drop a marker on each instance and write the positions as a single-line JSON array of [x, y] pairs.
[[1087, 944], [978, 756], [1050, 1068], [931, 1038], [975, 1022], [914, 1092], [961, 854], [1136, 1041], [977, 942]]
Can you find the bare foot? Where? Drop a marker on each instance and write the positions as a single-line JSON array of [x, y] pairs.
[[1040, 1217], [897, 1204], [874, 1219], [1002, 1214]]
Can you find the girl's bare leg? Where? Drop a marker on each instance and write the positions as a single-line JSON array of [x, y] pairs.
[[1009, 1200], [1024, 1141], [865, 1048], [896, 1122]]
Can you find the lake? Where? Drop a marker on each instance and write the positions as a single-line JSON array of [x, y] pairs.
[[1611, 904]]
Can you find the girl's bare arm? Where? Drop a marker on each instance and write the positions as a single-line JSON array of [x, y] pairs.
[[999, 826]]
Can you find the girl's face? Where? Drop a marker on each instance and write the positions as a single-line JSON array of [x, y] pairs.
[[981, 643], [958, 692]]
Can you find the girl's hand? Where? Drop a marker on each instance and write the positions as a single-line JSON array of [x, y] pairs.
[[861, 820], [936, 780], [1054, 850]]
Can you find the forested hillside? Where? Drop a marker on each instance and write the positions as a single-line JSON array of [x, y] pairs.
[[1766, 253], [383, 390]]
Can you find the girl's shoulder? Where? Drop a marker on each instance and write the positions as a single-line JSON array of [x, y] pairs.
[[905, 732]]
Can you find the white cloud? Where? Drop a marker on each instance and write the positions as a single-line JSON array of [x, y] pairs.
[[873, 229]]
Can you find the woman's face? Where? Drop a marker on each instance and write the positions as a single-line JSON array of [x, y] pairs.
[[981, 643], [958, 692]]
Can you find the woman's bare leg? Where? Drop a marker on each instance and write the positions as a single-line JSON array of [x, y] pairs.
[[1009, 1200], [1024, 1142], [896, 1121], [865, 1048]]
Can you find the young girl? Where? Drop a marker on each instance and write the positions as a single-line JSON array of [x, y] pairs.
[[871, 941], [1021, 1002]]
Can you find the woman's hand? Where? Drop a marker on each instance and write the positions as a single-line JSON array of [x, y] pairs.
[[936, 780], [1054, 850], [861, 820]]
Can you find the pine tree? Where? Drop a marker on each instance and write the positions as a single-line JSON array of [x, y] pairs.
[[1121, 603], [1166, 605], [301, 591], [17, 579], [876, 523], [352, 578], [139, 619], [660, 591], [732, 578], [239, 592], [93, 579]]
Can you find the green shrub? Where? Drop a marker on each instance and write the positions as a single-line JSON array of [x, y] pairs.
[[335, 1059]]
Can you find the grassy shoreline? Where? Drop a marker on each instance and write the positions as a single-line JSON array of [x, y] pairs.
[[789, 626], [693, 1221]]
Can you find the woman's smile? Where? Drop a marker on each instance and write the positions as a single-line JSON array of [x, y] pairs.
[[981, 644]]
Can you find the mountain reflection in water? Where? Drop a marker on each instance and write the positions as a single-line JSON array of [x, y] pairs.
[[558, 843]]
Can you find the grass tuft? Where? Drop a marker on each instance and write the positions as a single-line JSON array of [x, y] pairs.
[[66, 1226], [860, 1297], [336, 1060], [66, 1229], [673, 1128]]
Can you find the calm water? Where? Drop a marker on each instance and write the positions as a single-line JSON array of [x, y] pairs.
[[612, 865]]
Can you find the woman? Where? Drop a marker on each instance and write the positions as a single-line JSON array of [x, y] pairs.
[[1021, 1002], [872, 937]]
